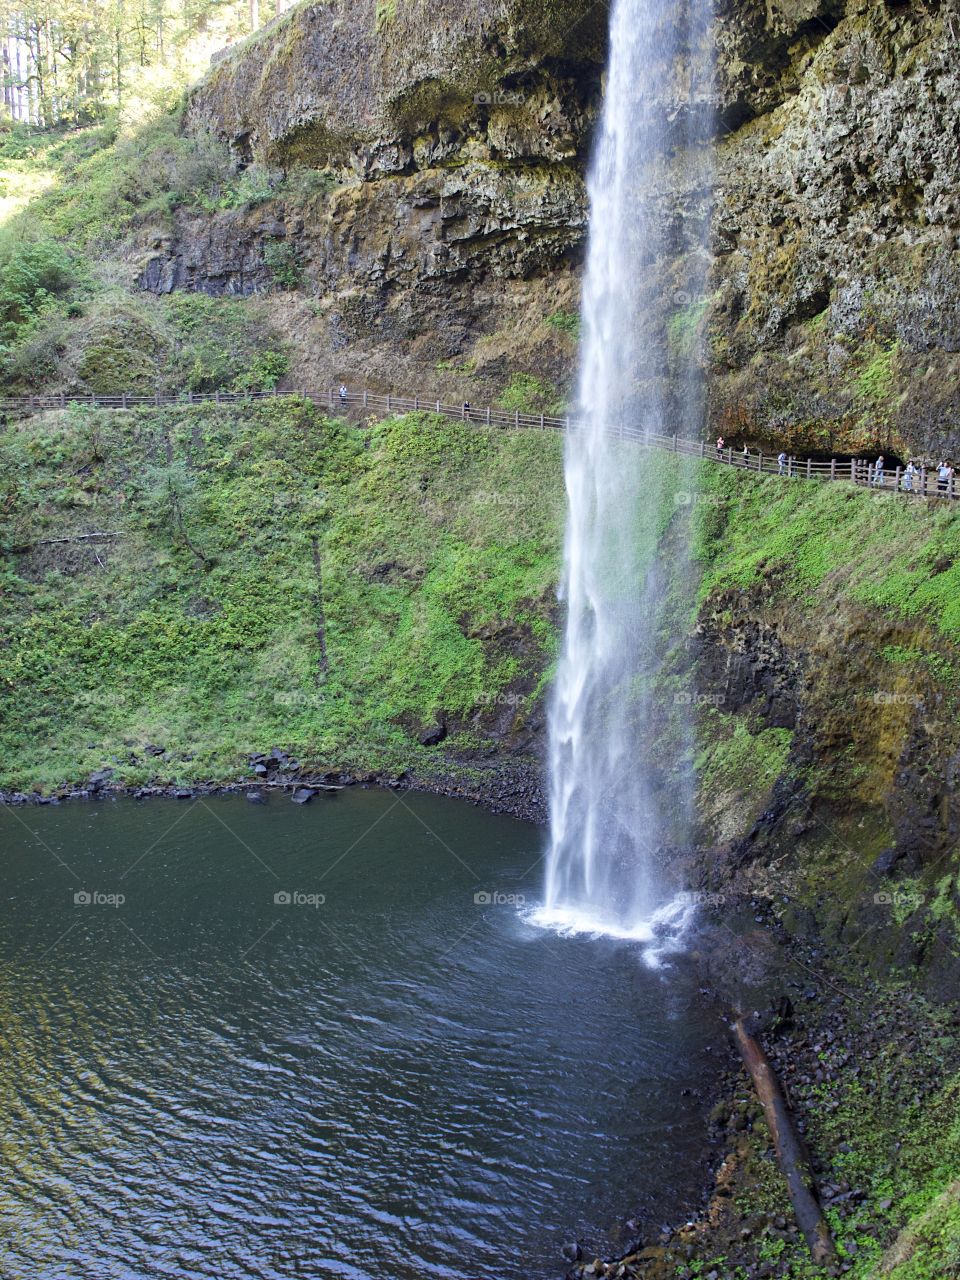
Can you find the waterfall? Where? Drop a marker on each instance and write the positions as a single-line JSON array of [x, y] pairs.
[[608, 818]]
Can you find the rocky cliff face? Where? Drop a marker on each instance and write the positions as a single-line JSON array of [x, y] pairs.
[[441, 204], [441, 222], [835, 312]]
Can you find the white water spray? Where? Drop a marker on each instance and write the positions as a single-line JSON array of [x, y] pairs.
[[607, 818]]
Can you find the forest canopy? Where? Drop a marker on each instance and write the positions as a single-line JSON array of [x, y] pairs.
[[70, 62]]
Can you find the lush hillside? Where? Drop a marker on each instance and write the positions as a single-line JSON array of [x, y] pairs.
[[276, 579]]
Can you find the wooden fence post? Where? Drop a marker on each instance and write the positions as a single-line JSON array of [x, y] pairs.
[[809, 467], [896, 480], [516, 418], [388, 402], [833, 468], [416, 404], [760, 460], [853, 470]]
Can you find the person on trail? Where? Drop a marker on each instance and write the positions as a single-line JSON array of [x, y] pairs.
[[746, 453], [943, 475], [878, 472], [719, 446], [466, 409], [908, 475], [781, 463], [343, 396]]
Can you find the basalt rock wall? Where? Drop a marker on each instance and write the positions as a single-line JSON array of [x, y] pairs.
[[434, 205]]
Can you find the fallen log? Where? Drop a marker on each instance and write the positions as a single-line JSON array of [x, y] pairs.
[[790, 1152], [54, 542]]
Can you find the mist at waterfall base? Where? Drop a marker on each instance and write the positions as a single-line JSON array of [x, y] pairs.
[[609, 818]]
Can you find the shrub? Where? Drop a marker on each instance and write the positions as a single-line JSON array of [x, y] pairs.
[[302, 184], [264, 373], [32, 275], [283, 263], [35, 360], [567, 322], [122, 353]]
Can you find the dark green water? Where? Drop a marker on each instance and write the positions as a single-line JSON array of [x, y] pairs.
[[399, 1082]]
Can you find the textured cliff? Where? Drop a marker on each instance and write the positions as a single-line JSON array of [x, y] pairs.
[[443, 204], [446, 220], [836, 285]]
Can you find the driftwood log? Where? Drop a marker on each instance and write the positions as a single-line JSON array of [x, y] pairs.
[[790, 1152]]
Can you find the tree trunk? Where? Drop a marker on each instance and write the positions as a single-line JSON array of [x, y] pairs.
[[791, 1155]]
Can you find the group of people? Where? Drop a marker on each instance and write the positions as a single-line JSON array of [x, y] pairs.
[[910, 477]]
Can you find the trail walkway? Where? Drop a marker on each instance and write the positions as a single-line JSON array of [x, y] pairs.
[[924, 484]]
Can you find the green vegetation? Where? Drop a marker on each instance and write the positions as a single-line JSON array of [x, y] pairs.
[[890, 1131], [730, 753], [875, 382], [283, 263], [566, 322], [91, 57], [433, 582], [831, 540], [33, 276], [684, 326], [385, 13], [528, 394]]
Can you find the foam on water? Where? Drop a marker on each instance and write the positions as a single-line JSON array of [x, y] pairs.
[[660, 935]]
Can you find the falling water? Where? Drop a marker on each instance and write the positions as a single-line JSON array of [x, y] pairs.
[[608, 818]]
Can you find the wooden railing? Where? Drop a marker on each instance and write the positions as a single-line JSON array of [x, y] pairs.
[[923, 483]]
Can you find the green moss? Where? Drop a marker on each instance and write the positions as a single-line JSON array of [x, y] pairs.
[[876, 380], [122, 353], [386, 12], [829, 541], [731, 756], [683, 327]]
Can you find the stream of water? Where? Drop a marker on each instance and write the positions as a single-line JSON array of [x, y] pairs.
[[604, 872]]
